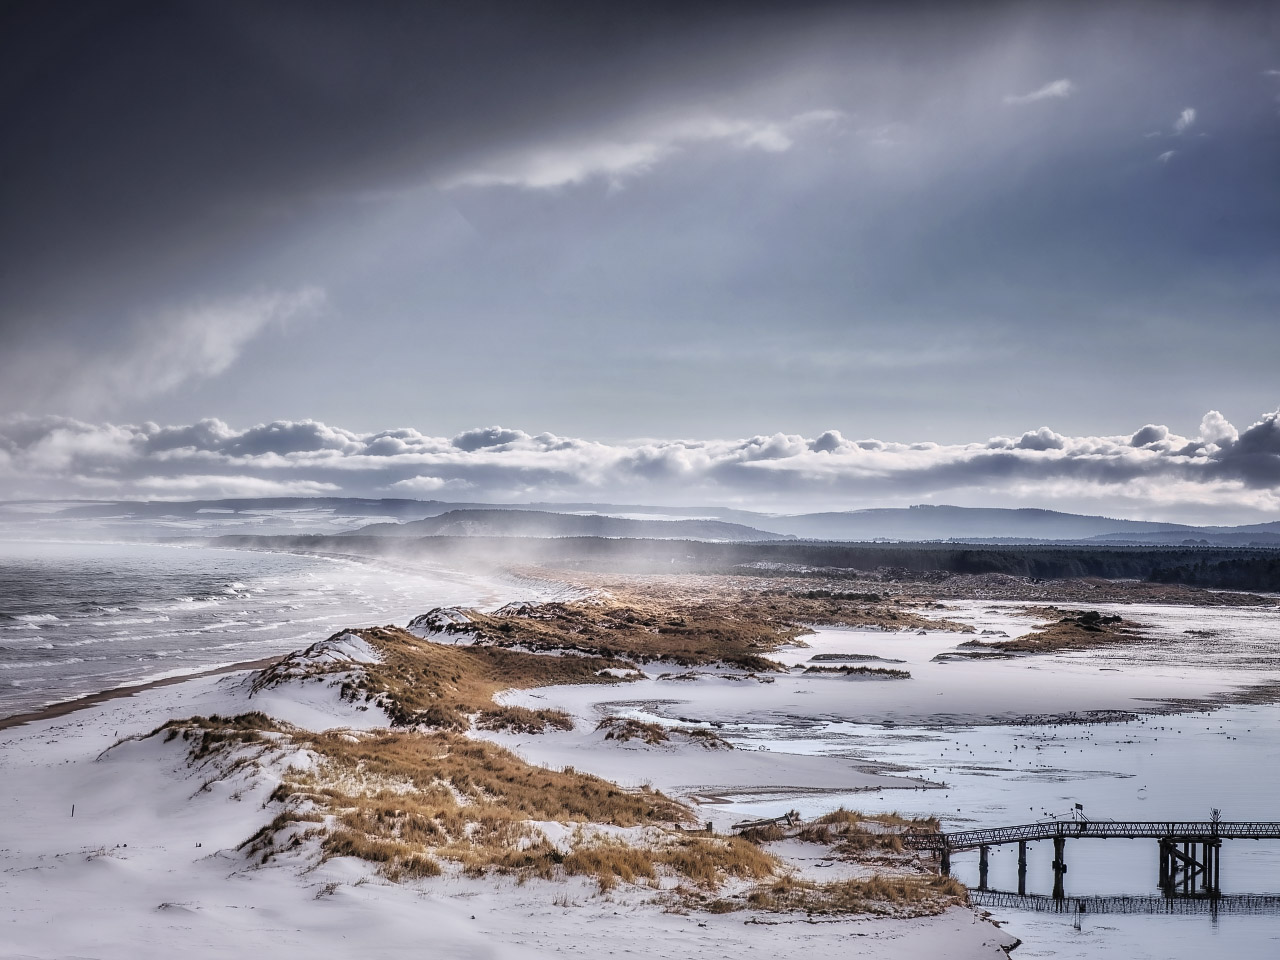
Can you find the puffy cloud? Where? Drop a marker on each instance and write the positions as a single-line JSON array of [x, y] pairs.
[[1215, 428], [829, 442], [1055, 90], [1042, 439], [420, 486], [473, 440], [284, 438], [1185, 119], [60, 457], [1150, 434], [1255, 456]]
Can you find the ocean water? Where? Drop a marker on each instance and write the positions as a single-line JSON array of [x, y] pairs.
[[77, 618]]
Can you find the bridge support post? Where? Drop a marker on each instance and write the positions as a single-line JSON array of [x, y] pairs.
[[1059, 867], [982, 867], [1166, 864], [1022, 868], [1211, 873], [944, 867]]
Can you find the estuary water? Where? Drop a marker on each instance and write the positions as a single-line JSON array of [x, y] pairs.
[[1155, 766], [78, 618]]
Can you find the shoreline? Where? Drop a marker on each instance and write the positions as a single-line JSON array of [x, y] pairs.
[[65, 707]]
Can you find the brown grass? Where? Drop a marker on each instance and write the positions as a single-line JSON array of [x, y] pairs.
[[647, 619], [1076, 630], [408, 801], [624, 729], [853, 833], [914, 895], [523, 720], [875, 673], [442, 685], [419, 683], [768, 833], [641, 629]]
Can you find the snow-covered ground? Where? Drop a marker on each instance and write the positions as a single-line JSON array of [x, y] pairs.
[[114, 847]]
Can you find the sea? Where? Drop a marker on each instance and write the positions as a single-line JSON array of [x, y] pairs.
[[77, 618]]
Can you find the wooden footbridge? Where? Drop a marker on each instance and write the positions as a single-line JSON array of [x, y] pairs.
[[1189, 850]]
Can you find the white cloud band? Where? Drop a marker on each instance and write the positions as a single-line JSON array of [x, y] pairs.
[[1153, 468]]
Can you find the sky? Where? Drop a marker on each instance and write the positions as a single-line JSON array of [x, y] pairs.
[[782, 255]]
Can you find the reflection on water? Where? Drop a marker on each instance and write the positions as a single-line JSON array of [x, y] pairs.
[[1151, 767], [1240, 903]]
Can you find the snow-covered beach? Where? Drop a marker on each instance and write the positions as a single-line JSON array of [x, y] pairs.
[[116, 845]]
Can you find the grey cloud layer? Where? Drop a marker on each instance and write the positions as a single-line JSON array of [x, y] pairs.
[[643, 219], [1219, 469]]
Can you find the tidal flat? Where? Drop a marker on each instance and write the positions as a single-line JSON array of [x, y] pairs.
[[1166, 724]]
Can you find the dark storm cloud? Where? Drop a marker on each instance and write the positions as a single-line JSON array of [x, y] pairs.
[[1220, 469], [154, 135], [1151, 433], [640, 219], [487, 437]]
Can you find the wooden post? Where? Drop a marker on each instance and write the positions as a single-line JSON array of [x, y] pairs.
[[1022, 868], [982, 867], [945, 867], [1059, 867]]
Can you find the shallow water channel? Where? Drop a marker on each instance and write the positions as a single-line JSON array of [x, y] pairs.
[[1158, 766]]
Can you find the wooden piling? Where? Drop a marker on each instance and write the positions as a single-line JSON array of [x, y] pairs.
[[1059, 867]]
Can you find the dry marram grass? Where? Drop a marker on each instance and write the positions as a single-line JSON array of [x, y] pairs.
[[409, 801]]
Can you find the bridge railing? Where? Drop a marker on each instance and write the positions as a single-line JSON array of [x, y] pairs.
[[1100, 829]]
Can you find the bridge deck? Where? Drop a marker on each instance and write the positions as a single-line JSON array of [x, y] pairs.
[[1097, 829]]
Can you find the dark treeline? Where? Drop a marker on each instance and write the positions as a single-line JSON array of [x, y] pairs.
[[1219, 567]]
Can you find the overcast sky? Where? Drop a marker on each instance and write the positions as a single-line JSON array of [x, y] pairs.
[[931, 227]]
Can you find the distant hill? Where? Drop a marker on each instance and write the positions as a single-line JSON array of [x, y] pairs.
[[395, 517], [928, 522], [538, 523]]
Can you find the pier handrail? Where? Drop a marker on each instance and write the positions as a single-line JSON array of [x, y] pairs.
[[1100, 829]]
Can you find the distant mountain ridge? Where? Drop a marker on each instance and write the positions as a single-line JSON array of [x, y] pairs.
[[538, 523], [929, 522], [404, 517]]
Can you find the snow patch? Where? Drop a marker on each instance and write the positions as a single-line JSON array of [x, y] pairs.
[[437, 621]]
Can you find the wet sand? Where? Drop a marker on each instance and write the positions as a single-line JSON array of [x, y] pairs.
[[102, 696]]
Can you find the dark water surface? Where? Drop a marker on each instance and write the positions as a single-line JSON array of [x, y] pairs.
[[77, 618]]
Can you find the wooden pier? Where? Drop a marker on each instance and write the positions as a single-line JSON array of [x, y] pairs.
[[1189, 851]]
